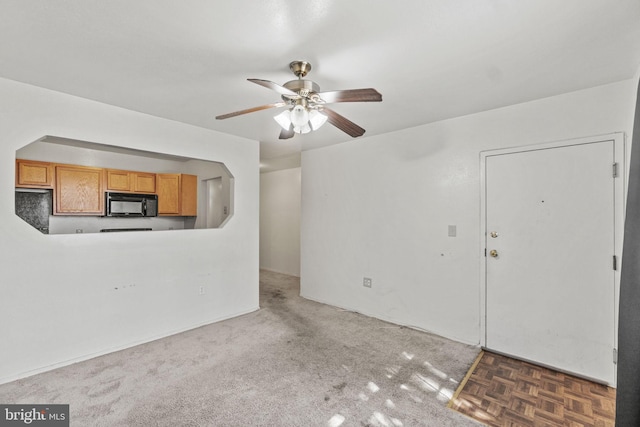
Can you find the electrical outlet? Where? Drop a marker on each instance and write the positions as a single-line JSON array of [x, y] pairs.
[[366, 282], [201, 290]]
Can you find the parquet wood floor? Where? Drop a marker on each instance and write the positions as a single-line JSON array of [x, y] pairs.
[[500, 391]]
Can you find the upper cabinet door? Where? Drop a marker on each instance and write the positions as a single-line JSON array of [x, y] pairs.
[[189, 195], [118, 180], [79, 190], [168, 193], [130, 181], [33, 174], [143, 182], [177, 194]]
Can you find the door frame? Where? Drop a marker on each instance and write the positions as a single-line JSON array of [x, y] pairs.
[[619, 211]]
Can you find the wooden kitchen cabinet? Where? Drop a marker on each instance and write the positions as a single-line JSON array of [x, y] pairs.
[[79, 190], [189, 195], [143, 182], [34, 174], [131, 181], [177, 194]]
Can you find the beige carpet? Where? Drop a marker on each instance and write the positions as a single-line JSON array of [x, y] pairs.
[[292, 363]]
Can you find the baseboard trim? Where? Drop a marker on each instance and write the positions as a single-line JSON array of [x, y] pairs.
[[391, 320], [280, 272]]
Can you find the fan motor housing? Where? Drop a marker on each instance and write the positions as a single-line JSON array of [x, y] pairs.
[[302, 87]]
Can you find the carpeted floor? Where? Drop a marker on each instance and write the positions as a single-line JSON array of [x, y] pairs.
[[292, 363]]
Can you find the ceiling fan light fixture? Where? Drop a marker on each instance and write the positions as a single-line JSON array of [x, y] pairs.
[[299, 116], [284, 119], [302, 129], [301, 119], [316, 119]]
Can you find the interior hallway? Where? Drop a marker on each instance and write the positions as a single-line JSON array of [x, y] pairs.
[[294, 362]]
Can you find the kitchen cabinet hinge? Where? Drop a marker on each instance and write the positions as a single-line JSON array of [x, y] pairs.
[[615, 170], [615, 356], [615, 263], [485, 252]]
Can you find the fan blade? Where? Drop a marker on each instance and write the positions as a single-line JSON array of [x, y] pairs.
[[351, 95], [274, 86], [286, 134], [343, 123], [251, 110]]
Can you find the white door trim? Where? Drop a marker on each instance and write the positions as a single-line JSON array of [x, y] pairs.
[[620, 198]]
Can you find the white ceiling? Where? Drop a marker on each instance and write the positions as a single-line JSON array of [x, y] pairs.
[[431, 59]]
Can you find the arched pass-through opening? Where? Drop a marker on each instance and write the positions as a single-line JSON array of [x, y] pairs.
[[66, 186]]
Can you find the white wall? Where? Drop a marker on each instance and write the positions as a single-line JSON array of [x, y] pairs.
[[280, 221], [380, 207], [59, 301]]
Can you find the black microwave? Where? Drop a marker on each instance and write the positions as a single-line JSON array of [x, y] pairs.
[[131, 205]]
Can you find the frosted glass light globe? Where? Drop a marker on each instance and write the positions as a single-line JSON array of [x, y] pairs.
[[299, 116]]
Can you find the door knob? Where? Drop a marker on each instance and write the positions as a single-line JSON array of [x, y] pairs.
[[493, 253], [494, 234]]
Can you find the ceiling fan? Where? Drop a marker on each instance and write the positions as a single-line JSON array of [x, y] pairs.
[[307, 106]]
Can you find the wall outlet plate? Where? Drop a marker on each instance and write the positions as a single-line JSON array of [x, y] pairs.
[[366, 282]]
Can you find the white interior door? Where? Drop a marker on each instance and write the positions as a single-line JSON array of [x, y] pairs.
[[550, 286]]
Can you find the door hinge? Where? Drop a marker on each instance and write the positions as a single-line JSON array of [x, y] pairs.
[[615, 356], [485, 252], [615, 263], [615, 170]]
